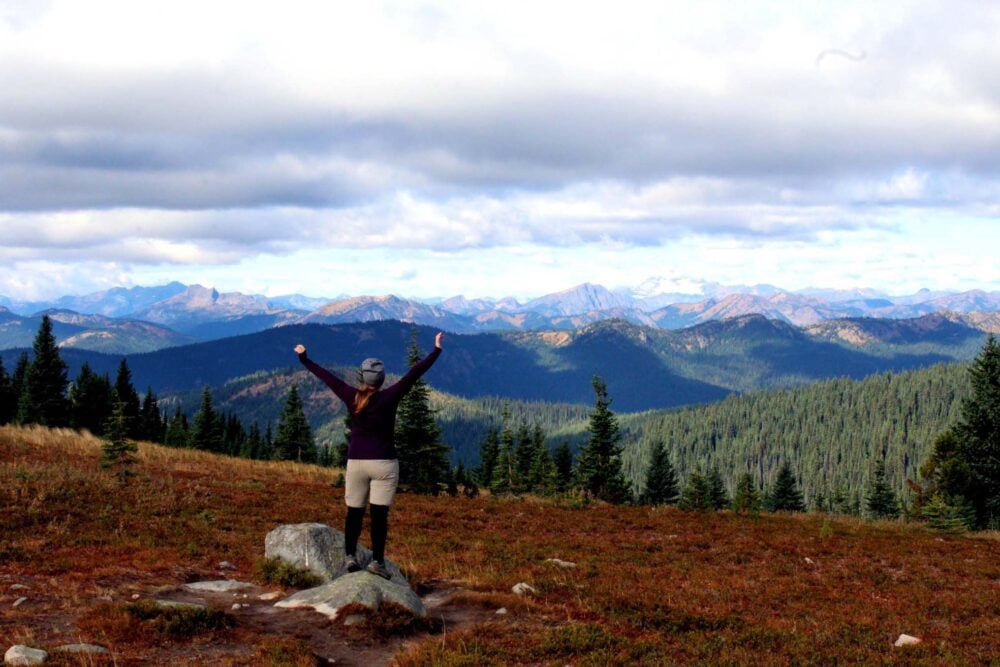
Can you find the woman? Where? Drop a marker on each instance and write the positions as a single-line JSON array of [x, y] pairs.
[[372, 464]]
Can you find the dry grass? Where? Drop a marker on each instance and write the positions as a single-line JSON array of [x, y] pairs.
[[650, 587]]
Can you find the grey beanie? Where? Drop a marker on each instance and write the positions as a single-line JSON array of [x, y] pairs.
[[372, 372]]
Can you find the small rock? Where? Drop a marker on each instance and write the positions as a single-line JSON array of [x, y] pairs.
[[18, 602], [81, 648], [561, 563], [18, 587], [354, 619], [236, 606], [269, 596], [174, 604], [522, 589], [222, 586], [502, 611], [810, 561], [226, 565], [24, 655], [135, 596], [907, 640]]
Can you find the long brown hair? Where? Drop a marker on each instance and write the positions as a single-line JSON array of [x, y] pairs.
[[362, 397]]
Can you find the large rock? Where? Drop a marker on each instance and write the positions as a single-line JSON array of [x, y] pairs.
[[362, 588], [219, 586], [320, 549], [24, 655]]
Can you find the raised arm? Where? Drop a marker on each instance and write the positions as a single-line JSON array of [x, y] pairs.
[[344, 391], [418, 369]]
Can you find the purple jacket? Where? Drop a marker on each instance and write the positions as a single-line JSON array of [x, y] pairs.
[[373, 430]]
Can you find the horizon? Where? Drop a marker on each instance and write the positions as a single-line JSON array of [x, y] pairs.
[[497, 149]]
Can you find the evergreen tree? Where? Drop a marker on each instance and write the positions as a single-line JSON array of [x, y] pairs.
[[177, 434], [8, 401], [881, 502], [206, 433], [696, 495], [564, 467], [489, 450], [150, 421], [949, 516], [17, 381], [543, 473], [293, 441], [599, 467], [840, 501], [129, 398], [746, 498], [505, 478], [43, 397], [423, 457], [661, 480], [233, 434], [524, 455], [255, 442], [117, 450], [785, 494], [717, 495], [91, 401], [340, 454]]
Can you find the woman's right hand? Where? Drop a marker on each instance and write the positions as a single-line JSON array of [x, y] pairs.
[[300, 349]]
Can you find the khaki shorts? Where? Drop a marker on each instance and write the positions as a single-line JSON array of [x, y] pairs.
[[377, 477]]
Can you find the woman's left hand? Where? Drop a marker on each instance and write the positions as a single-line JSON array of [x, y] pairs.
[[437, 340]]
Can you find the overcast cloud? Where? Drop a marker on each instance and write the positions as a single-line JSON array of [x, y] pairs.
[[190, 135]]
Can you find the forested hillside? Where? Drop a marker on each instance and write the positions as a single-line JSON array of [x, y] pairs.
[[832, 432]]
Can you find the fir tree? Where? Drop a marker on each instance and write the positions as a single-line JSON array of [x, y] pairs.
[[505, 478], [255, 442], [661, 479], [150, 421], [881, 502], [599, 467], [129, 398], [17, 379], [117, 450], [177, 434], [840, 501], [91, 401], [8, 401], [43, 397], [717, 496], [423, 457], [489, 450], [206, 433], [746, 497], [785, 494], [543, 473], [293, 439], [696, 495], [524, 455], [564, 467]]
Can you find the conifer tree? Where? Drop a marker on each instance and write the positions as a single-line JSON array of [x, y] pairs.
[[563, 458], [696, 495], [129, 398], [118, 450], [150, 421], [8, 402], [785, 494], [717, 495], [177, 434], [543, 473], [524, 455], [661, 479], [293, 440], [746, 497], [505, 477], [43, 397], [206, 433], [91, 401], [489, 450], [840, 501], [881, 502], [423, 456], [17, 379], [599, 467]]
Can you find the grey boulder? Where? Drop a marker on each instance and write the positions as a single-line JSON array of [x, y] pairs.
[[24, 655], [362, 588], [320, 549]]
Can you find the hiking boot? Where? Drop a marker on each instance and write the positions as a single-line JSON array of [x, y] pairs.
[[351, 563], [378, 568]]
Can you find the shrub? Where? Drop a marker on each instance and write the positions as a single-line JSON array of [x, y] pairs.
[[277, 571]]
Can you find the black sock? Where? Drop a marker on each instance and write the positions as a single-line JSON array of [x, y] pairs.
[[380, 530], [352, 529]]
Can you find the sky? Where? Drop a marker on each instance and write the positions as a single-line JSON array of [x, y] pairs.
[[497, 148]]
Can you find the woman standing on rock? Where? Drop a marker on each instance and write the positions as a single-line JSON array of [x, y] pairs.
[[372, 464]]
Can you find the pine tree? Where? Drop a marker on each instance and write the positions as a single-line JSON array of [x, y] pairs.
[[564, 467], [254, 442], [117, 450], [489, 450], [293, 439], [661, 479], [840, 501], [177, 434], [696, 495], [17, 379], [543, 473], [423, 457], [150, 421], [785, 494], [881, 502], [505, 478], [717, 496], [524, 455], [8, 401], [129, 398], [746, 498], [599, 467], [43, 397], [91, 401], [206, 433]]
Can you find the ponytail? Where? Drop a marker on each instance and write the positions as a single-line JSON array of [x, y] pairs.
[[362, 397]]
